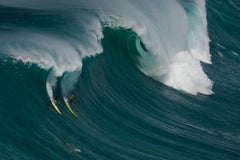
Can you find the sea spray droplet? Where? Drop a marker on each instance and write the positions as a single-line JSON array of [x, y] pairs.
[[78, 150]]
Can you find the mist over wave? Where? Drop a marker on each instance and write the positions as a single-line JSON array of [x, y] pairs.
[[174, 34]]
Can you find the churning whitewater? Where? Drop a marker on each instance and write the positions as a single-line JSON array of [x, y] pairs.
[[119, 80], [176, 41]]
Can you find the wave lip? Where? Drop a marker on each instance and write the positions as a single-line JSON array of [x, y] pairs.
[[176, 47]]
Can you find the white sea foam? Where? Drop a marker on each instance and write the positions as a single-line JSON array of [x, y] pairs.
[[186, 74], [174, 33]]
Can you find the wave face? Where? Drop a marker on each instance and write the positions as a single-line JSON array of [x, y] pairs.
[[142, 75]]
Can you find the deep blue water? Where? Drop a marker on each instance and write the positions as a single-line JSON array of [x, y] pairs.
[[123, 113]]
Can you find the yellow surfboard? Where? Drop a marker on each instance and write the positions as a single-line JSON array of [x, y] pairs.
[[69, 107], [55, 106], [13, 56]]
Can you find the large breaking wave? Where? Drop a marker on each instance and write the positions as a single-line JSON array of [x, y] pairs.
[[172, 38]]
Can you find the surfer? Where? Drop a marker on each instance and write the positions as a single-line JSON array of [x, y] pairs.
[[71, 98], [55, 98]]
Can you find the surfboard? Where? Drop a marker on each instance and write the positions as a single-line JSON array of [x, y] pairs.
[[69, 107], [55, 106], [13, 56]]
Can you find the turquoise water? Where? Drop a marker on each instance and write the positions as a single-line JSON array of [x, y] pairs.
[[131, 102]]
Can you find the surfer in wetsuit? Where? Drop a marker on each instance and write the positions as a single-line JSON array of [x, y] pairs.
[[55, 99], [71, 98]]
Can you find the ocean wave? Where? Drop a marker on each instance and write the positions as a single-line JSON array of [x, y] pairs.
[[119, 58], [175, 42]]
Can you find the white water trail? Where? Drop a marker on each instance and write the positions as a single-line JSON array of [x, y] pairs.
[[49, 90], [51, 84], [67, 82]]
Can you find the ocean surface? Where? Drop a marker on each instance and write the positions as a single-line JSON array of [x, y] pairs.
[[152, 79]]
